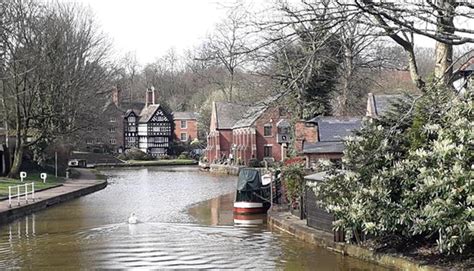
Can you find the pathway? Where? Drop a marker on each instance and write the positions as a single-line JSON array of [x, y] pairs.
[[73, 188]]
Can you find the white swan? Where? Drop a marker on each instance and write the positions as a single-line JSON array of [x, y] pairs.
[[132, 219]]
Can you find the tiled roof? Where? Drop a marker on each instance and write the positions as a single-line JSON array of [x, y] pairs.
[[129, 111], [254, 112], [228, 114], [184, 115], [136, 106], [148, 112], [324, 147], [320, 176], [250, 116], [381, 104], [336, 128]]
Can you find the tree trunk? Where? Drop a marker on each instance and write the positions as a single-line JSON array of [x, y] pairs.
[[19, 147], [444, 61], [413, 68], [17, 161], [444, 51]]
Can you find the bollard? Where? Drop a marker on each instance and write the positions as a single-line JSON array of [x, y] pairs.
[[22, 175], [43, 176]]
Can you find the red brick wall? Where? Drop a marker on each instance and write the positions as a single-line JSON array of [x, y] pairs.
[[305, 132], [271, 116], [225, 138], [218, 143], [244, 139], [191, 129]]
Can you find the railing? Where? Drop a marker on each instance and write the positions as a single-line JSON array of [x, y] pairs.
[[21, 191]]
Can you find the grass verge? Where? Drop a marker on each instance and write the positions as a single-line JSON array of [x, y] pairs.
[[51, 181]]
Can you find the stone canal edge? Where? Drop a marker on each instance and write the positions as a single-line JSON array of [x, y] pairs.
[[87, 183], [285, 222]]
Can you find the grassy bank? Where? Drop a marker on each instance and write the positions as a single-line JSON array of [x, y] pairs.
[[51, 181]]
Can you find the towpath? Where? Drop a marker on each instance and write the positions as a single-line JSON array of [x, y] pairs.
[[72, 188]]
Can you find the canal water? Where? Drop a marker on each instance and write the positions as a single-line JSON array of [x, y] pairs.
[[185, 222]]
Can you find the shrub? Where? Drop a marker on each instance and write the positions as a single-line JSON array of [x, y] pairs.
[[293, 180], [137, 154], [409, 175]]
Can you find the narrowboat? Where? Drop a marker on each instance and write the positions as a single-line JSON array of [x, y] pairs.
[[253, 195]]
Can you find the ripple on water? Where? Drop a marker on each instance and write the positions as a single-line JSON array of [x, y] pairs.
[[158, 245]]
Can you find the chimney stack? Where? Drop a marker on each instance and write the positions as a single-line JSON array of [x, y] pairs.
[[150, 97]]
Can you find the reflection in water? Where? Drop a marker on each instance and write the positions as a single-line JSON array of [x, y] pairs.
[[216, 211], [92, 232]]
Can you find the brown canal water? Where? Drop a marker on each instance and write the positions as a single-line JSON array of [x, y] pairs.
[[184, 223]]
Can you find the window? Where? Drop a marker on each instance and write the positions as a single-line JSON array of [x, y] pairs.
[[184, 136], [184, 124], [112, 119], [112, 141], [131, 119], [111, 129], [267, 130], [267, 151], [89, 141]]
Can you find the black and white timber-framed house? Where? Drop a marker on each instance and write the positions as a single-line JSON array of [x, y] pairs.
[[151, 131]]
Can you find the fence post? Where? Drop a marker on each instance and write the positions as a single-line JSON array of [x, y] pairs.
[[33, 190], [10, 196], [26, 193], [18, 194]]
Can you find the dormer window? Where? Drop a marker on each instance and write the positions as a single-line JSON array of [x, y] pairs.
[[131, 119]]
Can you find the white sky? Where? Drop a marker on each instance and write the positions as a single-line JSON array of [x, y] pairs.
[[150, 28]]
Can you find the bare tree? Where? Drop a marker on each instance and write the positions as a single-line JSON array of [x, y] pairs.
[[131, 68], [55, 66], [432, 19], [227, 47]]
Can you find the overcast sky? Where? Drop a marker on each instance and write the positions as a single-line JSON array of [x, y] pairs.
[[151, 27]]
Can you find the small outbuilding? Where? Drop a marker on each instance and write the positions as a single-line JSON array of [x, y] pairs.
[[316, 216]]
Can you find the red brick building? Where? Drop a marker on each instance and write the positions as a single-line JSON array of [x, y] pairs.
[[185, 126], [321, 138], [219, 140], [258, 134], [245, 132]]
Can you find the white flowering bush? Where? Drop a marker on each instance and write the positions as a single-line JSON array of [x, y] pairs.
[[409, 175]]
